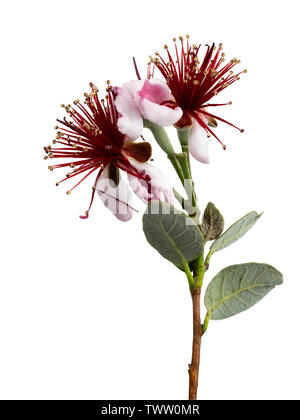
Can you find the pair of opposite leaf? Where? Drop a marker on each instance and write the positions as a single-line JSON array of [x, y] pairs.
[[178, 239]]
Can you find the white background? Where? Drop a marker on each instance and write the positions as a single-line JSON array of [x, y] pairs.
[[88, 310]]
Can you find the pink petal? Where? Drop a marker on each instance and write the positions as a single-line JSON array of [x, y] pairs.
[[199, 143], [133, 87], [157, 188], [149, 98], [148, 95], [130, 121], [117, 199], [155, 91], [159, 114]]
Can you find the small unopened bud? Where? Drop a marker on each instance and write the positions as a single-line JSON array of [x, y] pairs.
[[212, 223]]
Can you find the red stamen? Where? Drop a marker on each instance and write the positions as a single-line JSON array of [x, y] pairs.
[[91, 141], [136, 69], [194, 81]]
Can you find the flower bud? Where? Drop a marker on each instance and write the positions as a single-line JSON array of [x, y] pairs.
[[212, 223]]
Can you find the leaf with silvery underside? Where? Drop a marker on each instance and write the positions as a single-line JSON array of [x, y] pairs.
[[235, 232], [212, 223], [173, 234], [238, 287]]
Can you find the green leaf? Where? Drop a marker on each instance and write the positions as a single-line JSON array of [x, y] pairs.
[[212, 222], [235, 232], [173, 234], [238, 287]]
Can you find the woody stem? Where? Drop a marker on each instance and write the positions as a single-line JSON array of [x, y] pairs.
[[197, 336]]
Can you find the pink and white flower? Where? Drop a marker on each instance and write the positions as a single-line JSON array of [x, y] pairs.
[[101, 138], [190, 84]]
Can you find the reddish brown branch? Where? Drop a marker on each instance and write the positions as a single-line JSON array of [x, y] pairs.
[[197, 335]]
